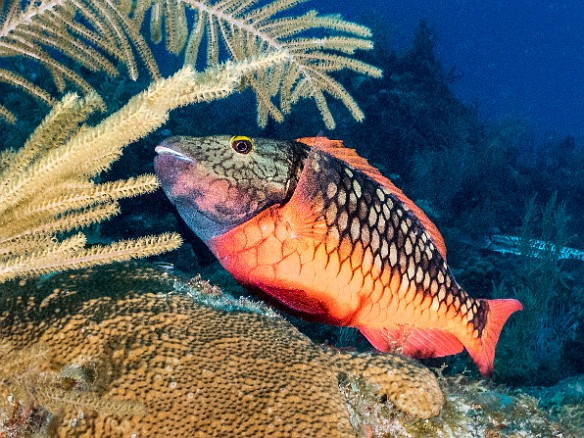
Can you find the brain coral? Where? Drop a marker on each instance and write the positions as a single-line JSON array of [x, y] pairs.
[[117, 351]]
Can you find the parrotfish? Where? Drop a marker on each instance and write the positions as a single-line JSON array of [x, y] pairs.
[[311, 225]]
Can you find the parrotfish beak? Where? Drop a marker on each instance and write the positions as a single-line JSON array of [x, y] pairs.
[[171, 160], [170, 163], [171, 147]]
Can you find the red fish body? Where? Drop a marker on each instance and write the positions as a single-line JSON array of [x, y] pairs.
[[330, 238]]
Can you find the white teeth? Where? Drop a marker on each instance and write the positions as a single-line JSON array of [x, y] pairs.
[[163, 150]]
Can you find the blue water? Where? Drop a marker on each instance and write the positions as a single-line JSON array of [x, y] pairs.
[[519, 59]]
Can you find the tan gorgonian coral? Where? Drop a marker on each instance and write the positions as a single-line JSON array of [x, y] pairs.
[[100, 34], [200, 364], [46, 187], [245, 30], [92, 33], [25, 374]]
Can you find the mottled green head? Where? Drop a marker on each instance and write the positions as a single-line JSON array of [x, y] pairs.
[[216, 183]]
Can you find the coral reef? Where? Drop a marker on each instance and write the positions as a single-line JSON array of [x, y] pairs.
[[132, 351], [534, 353], [482, 410]]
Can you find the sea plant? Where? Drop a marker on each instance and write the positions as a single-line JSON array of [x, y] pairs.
[[48, 189], [100, 35]]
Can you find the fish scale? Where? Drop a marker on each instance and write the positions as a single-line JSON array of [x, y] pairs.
[[412, 251], [329, 239]]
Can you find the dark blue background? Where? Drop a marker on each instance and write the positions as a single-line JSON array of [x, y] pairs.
[[521, 59]]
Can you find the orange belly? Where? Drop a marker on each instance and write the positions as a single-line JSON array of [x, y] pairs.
[[345, 281]]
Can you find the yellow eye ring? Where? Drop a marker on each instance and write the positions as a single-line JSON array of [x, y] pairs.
[[242, 144]]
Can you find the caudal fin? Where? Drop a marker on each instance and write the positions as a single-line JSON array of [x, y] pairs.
[[484, 353]]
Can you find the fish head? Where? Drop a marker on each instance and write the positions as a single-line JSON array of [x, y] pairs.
[[219, 182]]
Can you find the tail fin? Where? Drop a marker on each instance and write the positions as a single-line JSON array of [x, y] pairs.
[[499, 312]]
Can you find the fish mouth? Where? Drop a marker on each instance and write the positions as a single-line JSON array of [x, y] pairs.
[[165, 150], [170, 147]]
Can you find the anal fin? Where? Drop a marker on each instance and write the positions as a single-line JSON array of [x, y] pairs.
[[413, 342], [295, 300]]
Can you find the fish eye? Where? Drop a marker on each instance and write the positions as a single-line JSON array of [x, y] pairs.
[[242, 144]]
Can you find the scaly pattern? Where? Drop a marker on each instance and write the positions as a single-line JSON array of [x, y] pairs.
[[335, 241], [377, 238]]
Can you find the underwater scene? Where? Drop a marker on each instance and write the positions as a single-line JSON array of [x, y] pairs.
[[291, 218]]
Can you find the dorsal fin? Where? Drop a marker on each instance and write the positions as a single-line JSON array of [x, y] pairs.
[[335, 148]]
